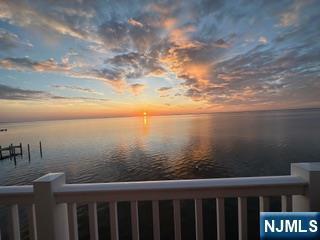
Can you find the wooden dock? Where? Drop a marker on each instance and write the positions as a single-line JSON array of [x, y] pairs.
[[11, 151]]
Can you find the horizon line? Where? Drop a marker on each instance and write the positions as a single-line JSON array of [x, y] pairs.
[[157, 115]]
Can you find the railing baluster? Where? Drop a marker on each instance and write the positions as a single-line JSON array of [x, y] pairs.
[[177, 219], [221, 232], [199, 219], [114, 220], [242, 218], [264, 204], [156, 220], [286, 203], [73, 221], [14, 222], [32, 222], [93, 221], [135, 220]]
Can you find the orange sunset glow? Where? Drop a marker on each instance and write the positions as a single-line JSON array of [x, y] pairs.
[[79, 60]]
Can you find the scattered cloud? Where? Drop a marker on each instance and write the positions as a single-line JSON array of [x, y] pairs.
[[26, 64], [216, 55], [10, 41], [263, 40], [221, 43], [135, 65], [76, 88], [290, 17], [44, 18], [259, 76], [164, 91], [135, 23], [13, 93], [137, 88], [106, 75]]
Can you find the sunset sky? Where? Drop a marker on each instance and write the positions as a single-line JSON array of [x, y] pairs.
[[68, 59]]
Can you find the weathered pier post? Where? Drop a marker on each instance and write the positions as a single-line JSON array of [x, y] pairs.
[[10, 151], [14, 153], [29, 152], [40, 149], [21, 153]]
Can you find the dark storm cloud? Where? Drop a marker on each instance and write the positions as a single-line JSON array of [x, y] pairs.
[[12, 93]]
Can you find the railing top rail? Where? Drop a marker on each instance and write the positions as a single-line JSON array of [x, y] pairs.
[[16, 194], [185, 184], [163, 190], [182, 189]]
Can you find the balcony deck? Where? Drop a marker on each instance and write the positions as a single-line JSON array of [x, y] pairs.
[[52, 204]]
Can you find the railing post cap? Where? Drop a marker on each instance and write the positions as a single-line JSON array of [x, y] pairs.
[[51, 218], [50, 177], [307, 166]]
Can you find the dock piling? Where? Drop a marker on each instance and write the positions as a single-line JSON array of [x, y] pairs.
[[10, 151], [14, 154], [29, 152], [40, 149], [21, 152]]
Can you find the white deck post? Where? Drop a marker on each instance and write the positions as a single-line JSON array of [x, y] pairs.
[[52, 218], [311, 200]]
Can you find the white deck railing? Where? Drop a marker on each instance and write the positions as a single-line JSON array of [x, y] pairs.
[[52, 204]]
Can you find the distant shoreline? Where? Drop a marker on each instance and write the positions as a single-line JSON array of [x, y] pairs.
[[182, 114]]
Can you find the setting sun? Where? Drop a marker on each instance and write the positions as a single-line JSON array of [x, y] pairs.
[[144, 113]]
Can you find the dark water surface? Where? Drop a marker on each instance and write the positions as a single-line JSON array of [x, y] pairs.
[[164, 147]]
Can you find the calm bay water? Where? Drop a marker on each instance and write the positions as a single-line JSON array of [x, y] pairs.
[[164, 147]]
